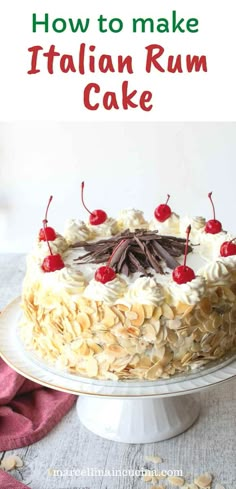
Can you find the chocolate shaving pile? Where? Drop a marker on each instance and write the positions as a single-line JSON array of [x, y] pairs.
[[139, 251]]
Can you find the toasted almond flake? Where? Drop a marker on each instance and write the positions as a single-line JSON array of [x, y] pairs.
[[131, 315], [92, 367], [219, 486], [19, 462], [140, 315], [83, 320], [167, 311], [176, 481], [203, 480], [154, 459], [157, 487], [8, 463], [147, 478], [148, 311]]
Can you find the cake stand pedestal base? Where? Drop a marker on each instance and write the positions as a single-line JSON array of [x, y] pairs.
[[138, 420]]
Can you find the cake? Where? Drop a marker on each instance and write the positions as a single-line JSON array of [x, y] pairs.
[[129, 298]]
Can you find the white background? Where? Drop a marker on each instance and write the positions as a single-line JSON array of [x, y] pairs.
[[198, 96], [124, 165]]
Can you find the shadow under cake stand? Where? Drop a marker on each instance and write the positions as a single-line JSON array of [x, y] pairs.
[[123, 411]]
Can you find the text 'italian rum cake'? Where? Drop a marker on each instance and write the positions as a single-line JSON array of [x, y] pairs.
[[130, 299]]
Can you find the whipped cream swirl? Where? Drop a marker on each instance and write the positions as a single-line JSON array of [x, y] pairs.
[[72, 280], [131, 219], [197, 227], [169, 226], [189, 293], [59, 245], [219, 271], [107, 228], [76, 231], [144, 290], [109, 293]]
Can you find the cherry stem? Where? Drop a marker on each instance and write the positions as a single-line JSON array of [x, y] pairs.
[[82, 198], [188, 231], [168, 198], [212, 203], [45, 235], [46, 213], [231, 241], [115, 250]]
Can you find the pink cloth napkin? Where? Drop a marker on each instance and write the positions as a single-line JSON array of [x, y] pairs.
[[28, 412]]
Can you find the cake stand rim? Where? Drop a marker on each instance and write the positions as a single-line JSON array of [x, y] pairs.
[[181, 389]]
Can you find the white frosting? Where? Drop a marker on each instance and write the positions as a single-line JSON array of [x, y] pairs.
[[169, 226], [219, 271], [131, 219], [189, 293], [72, 280], [106, 229], [109, 293], [144, 290], [76, 231], [211, 243], [59, 245], [197, 227]]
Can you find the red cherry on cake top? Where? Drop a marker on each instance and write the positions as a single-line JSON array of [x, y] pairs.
[[184, 274], [228, 248], [213, 226], [96, 217], [106, 273], [47, 233], [163, 211], [51, 263]]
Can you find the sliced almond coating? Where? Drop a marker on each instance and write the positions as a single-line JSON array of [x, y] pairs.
[[155, 459], [154, 372], [115, 350], [131, 314], [140, 315], [83, 320], [148, 311], [203, 480], [8, 463], [219, 486], [167, 311], [92, 367], [176, 481], [205, 305], [122, 307], [109, 317], [148, 333], [157, 313], [181, 308]]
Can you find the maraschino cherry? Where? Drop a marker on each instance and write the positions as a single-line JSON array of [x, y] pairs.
[[163, 211], [96, 217], [47, 233], [106, 273], [184, 274], [228, 248], [51, 263], [213, 226]]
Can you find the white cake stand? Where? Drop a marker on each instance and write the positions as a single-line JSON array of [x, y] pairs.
[[124, 411]]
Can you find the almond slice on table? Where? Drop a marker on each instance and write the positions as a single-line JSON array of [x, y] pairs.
[[155, 459], [11, 462], [176, 481], [203, 481]]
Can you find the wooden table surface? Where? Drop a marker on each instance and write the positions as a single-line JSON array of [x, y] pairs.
[[207, 446]]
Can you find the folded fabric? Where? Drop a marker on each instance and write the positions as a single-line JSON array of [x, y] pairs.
[[8, 482], [28, 412]]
